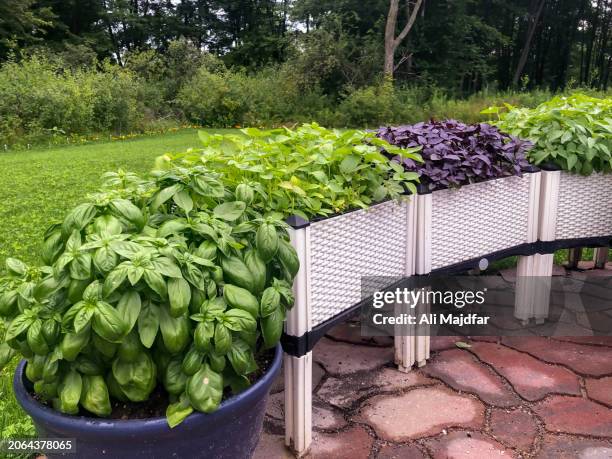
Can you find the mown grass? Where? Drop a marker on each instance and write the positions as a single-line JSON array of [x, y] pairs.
[[38, 187]]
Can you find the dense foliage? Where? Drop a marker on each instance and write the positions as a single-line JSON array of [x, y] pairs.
[[573, 132], [182, 276], [311, 171], [44, 100], [265, 63], [460, 45], [456, 154], [40, 100]]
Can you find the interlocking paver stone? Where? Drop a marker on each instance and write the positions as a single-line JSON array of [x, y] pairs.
[[324, 417], [514, 427], [440, 343], [575, 415], [461, 371], [317, 374], [400, 452], [344, 392], [600, 390], [589, 360], [334, 391], [391, 379], [467, 445], [351, 333], [420, 412], [276, 405], [327, 418], [531, 378], [597, 340], [272, 446], [354, 443], [564, 447], [343, 358]]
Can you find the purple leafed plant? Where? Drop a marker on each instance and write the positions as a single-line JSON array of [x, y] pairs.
[[456, 154]]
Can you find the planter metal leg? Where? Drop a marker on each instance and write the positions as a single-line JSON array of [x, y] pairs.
[[298, 402], [600, 257], [573, 257]]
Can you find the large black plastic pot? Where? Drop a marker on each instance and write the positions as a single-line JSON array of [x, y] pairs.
[[230, 432]]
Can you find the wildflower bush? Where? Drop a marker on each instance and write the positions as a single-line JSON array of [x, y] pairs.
[[184, 275]]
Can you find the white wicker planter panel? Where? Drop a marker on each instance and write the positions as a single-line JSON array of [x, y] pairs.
[[481, 218], [345, 248], [584, 207]]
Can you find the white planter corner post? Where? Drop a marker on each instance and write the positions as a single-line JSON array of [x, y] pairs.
[[408, 346], [532, 285], [422, 256], [298, 370], [337, 254]]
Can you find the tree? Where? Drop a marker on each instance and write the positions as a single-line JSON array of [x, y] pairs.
[[391, 41], [534, 18], [21, 24]]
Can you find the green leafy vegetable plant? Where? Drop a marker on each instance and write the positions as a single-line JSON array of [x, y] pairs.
[[574, 132], [310, 171], [183, 276]]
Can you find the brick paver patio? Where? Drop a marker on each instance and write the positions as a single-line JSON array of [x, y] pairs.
[[520, 397]]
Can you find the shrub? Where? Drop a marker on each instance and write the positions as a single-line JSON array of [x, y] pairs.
[[182, 276], [574, 132], [214, 99], [456, 154], [370, 106], [39, 94]]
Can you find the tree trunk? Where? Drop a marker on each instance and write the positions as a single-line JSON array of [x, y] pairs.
[[391, 41], [533, 23]]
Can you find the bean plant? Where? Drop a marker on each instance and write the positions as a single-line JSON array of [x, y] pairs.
[[181, 278], [574, 132]]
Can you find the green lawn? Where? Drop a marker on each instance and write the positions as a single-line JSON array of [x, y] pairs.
[[38, 187]]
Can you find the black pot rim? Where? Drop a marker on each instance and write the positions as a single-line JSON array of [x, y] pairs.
[[100, 425]]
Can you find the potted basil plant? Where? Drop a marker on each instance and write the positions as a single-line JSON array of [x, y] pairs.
[[153, 328]]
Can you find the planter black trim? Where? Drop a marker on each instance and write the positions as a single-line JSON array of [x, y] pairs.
[[230, 432], [299, 346]]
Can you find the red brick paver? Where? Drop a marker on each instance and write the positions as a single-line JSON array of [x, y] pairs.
[[421, 413], [343, 358], [531, 378], [461, 371], [400, 452], [468, 445], [575, 415], [566, 447], [519, 397], [354, 443], [600, 390], [588, 360], [514, 427]]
